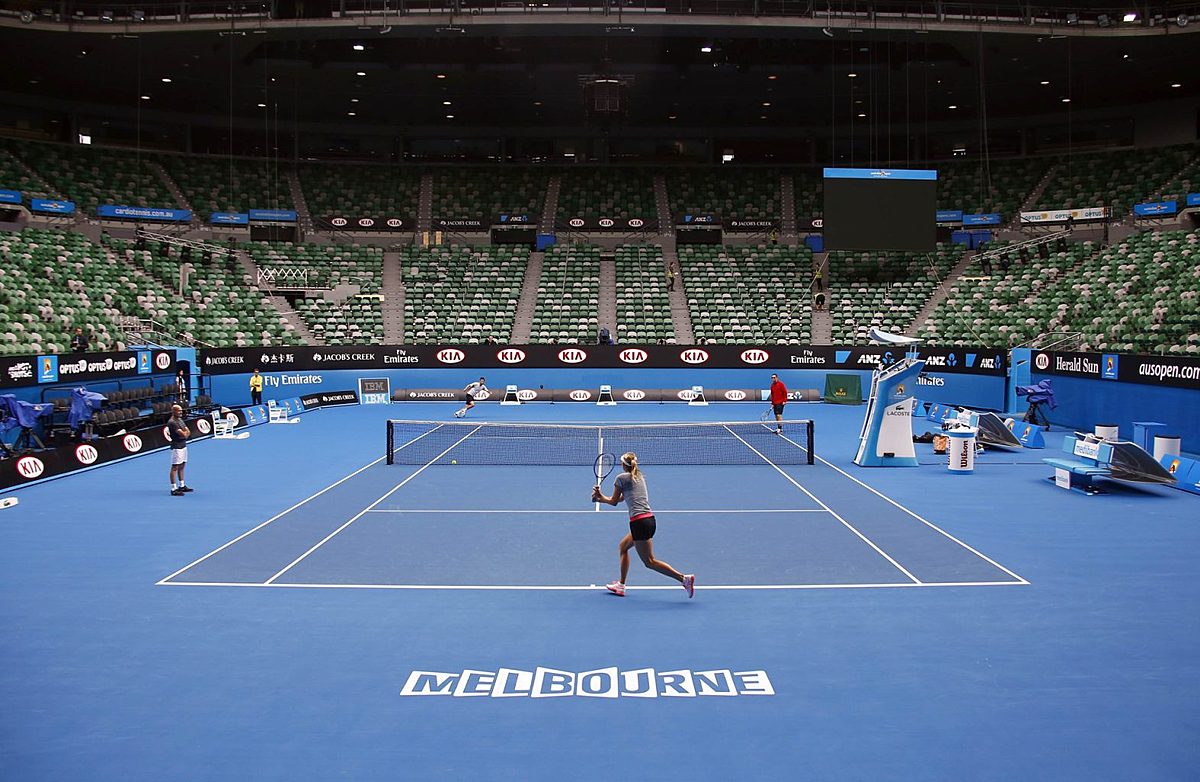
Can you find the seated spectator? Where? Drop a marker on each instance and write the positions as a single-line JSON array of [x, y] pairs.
[[79, 341]]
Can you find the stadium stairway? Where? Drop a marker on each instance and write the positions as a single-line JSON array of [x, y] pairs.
[[787, 203], [44, 189], [425, 204], [393, 299], [281, 305], [822, 326], [662, 205], [1036, 193], [939, 294], [176, 193], [606, 309], [303, 215], [550, 210], [523, 320], [681, 317]]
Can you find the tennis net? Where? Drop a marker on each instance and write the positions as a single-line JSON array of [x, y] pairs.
[[440, 442]]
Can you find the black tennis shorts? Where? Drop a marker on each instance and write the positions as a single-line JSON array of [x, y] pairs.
[[778, 409], [642, 529], [469, 398]]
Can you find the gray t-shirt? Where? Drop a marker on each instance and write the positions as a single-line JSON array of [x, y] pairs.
[[175, 429], [637, 498]]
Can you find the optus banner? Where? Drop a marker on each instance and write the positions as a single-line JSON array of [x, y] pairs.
[[225, 361], [18, 371]]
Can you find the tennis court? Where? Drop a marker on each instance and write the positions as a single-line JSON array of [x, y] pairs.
[[502, 497], [276, 623]]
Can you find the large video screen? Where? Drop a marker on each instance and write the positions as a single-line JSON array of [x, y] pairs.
[[880, 209]]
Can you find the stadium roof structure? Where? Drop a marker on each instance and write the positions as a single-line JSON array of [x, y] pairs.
[[422, 70]]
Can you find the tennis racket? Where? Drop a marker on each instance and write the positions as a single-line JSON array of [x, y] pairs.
[[605, 463], [767, 416]]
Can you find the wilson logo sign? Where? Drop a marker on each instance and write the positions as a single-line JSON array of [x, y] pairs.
[[600, 683]]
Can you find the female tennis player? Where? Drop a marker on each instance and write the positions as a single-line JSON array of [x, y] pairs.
[[469, 393], [631, 487]]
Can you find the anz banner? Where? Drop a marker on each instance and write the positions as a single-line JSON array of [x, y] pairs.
[[510, 219], [152, 213], [698, 219], [52, 207], [345, 223], [272, 215], [229, 218], [609, 223], [1173, 371], [1156, 209], [230, 361]]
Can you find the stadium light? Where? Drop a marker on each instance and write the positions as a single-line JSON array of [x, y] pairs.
[[358, 47], [106, 16], [1176, 85], [166, 80], [1130, 16], [706, 49]]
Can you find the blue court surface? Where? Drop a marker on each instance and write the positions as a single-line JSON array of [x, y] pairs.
[[312, 613]]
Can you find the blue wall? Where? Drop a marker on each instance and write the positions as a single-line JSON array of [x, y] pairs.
[[1084, 403], [973, 390]]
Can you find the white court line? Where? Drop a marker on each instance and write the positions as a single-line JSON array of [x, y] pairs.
[[359, 515], [848, 525], [924, 521], [614, 512], [289, 510], [580, 588]]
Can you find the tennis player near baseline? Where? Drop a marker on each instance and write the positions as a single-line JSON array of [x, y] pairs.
[[630, 486], [469, 392]]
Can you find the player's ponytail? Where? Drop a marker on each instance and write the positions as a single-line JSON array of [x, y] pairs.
[[629, 461]]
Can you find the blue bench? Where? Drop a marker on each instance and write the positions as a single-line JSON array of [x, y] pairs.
[[1092, 460]]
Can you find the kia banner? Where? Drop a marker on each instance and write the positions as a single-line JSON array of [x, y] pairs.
[[957, 360], [579, 223], [364, 223]]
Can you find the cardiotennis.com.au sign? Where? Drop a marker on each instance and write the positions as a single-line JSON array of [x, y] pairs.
[[599, 683]]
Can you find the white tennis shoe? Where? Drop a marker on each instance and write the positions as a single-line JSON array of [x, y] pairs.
[[616, 587], [689, 585]]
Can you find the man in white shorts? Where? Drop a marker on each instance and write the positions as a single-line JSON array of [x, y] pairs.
[[179, 433]]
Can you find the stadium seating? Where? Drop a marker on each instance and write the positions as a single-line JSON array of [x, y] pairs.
[[460, 293], [485, 192], [53, 281], [568, 295], [91, 176], [14, 177], [745, 193], [219, 307], [1002, 187], [808, 193], [353, 320], [360, 190], [1186, 180], [889, 267], [592, 193], [748, 294], [1115, 179], [213, 184], [643, 306], [1140, 296]]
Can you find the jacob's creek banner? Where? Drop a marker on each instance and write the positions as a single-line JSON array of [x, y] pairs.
[[1172, 371], [18, 371], [227, 361], [139, 213]]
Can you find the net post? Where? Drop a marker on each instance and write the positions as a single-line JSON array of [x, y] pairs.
[[811, 455], [391, 435]]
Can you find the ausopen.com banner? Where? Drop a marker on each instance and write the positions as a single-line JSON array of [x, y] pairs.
[[1172, 371], [229, 361]]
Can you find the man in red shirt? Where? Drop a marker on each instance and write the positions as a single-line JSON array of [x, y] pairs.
[[779, 398]]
